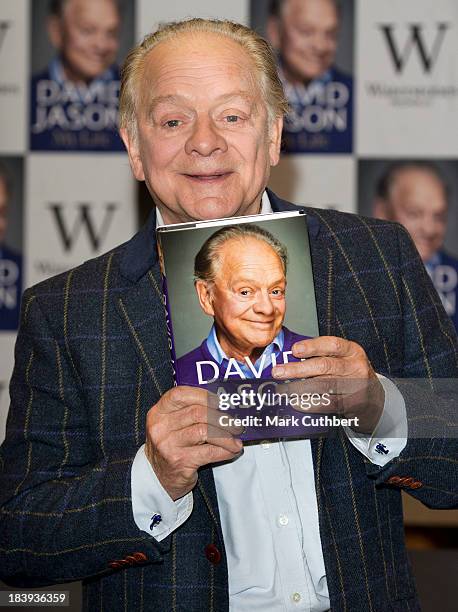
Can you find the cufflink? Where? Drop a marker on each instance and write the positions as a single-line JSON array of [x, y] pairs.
[[381, 449], [155, 520]]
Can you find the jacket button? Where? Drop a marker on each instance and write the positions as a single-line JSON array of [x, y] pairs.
[[394, 480], [114, 565], [139, 557], [212, 553]]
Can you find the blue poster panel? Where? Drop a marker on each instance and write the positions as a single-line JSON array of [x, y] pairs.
[[10, 241], [77, 47], [313, 40], [422, 194]]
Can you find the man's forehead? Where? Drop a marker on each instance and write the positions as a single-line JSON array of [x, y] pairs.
[[316, 9], [243, 252], [91, 8], [187, 59], [417, 179]]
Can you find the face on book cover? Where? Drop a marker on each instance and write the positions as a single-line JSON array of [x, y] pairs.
[[247, 298], [204, 145]]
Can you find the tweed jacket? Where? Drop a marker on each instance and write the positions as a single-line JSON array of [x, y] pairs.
[[91, 359]]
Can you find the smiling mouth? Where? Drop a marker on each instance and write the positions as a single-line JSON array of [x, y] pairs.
[[263, 323], [208, 178]]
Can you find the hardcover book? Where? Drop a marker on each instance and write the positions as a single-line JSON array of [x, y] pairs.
[[238, 294]]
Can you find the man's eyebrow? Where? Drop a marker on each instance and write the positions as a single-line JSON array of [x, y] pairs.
[[170, 99], [182, 100], [237, 94]]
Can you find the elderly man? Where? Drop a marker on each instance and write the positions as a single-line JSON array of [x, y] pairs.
[[305, 34], [75, 100], [240, 280], [415, 194], [108, 475]]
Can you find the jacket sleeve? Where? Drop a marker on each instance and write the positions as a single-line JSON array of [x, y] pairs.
[[427, 467], [66, 511]]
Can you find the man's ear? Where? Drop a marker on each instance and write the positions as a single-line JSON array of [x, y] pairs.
[[273, 31], [275, 140], [380, 209], [54, 26], [131, 145], [204, 295]]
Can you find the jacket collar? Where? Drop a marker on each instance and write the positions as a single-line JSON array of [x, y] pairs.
[[140, 254]]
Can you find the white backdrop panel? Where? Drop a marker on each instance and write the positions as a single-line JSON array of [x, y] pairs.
[[316, 180], [150, 12], [14, 54], [407, 66], [86, 209]]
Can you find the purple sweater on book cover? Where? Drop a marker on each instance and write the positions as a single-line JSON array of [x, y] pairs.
[[187, 373]]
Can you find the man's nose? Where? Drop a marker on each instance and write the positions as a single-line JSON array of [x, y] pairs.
[[205, 138], [101, 42], [263, 303], [320, 44]]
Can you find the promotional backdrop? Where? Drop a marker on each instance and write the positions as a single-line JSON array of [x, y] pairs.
[[370, 83]]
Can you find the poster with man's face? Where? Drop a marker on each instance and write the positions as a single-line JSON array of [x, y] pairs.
[[10, 242], [77, 48], [313, 43], [422, 196]]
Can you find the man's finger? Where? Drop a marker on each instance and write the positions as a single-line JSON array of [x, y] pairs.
[[211, 453], [182, 396], [201, 433], [197, 413], [332, 346], [315, 366]]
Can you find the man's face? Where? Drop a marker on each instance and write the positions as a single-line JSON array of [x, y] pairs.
[[308, 37], [247, 300], [203, 147], [3, 210], [417, 200], [87, 36]]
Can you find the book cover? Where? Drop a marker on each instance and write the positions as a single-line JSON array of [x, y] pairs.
[[239, 293]]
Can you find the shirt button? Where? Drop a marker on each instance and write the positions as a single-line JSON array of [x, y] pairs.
[[283, 520], [296, 597]]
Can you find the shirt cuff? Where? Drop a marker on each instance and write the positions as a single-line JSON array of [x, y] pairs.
[[390, 434], [154, 510]]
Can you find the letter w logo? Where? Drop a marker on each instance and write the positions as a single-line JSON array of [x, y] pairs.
[[4, 26], [83, 219], [427, 57]]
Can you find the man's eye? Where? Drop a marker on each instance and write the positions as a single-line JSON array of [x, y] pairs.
[[244, 292], [172, 123], [232, 118]]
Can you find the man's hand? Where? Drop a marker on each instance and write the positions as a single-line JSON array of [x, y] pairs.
[[341, 365], [182, 434]]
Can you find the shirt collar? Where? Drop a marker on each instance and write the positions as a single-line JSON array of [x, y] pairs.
[[219, 355], [56, 73], [266, 208]]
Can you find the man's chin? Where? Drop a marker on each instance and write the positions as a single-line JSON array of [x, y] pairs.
[[213, 207]]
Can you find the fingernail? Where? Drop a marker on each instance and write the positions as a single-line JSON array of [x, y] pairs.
[[278, 371]]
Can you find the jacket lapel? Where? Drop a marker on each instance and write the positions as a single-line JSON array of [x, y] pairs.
[[141, 307]]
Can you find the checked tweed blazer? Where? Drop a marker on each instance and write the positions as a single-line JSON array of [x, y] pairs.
[[91, 359]]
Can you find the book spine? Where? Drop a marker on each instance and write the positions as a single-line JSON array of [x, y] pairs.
[[168, 316]]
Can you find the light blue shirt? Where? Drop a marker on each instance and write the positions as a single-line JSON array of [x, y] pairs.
[[276, 346], [268, 511]]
